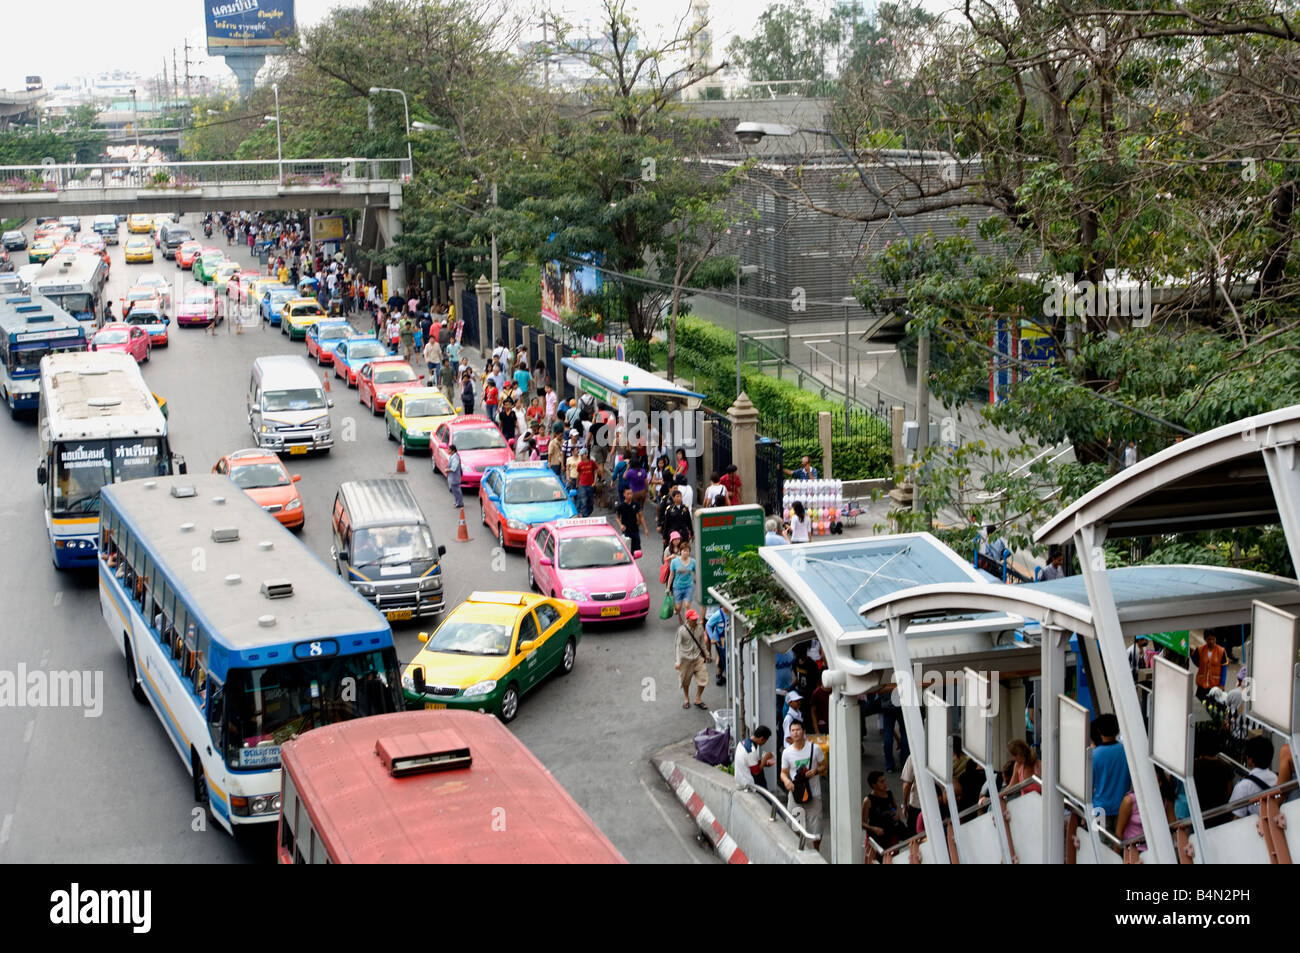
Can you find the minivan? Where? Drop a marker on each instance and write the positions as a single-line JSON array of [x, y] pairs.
[[287, 409], [105, 226], [383, 546], [171, 236]]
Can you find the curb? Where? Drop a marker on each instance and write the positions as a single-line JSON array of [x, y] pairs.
[[708, 824]]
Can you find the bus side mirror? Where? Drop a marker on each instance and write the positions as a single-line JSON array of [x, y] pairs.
[[297, 477], [417, 673], [180, 464], [42, 475], [442, 550], [329, 403]]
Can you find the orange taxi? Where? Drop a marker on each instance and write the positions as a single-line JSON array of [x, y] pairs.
[[262, 476]]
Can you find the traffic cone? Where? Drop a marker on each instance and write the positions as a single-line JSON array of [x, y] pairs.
[[326, 379], [401, 457], [462, 531]]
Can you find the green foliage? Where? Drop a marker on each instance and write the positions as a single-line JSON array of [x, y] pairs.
[[789, 42], [766, 605]]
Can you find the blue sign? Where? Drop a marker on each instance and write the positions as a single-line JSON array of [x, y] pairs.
[[323, 648], [248, 23], [263, 756]]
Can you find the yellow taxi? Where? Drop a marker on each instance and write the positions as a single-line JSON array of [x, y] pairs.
[[41, 250], [139, 224], [297, 315], [138, 250], [414, 414], [490, 650]]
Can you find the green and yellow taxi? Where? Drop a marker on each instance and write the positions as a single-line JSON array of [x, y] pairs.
[[299, 314], [225, 271], [414, 414], [492, 649], [205, 266], [41, 250]]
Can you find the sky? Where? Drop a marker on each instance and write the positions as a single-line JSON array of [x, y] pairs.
[[137, 35]]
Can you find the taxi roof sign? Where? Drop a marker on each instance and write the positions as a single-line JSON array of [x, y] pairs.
[[582, 521], [527, 465], [499, 598]]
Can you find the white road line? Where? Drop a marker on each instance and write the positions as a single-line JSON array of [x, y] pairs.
[[58, 597], [692, 850], [4, 828], [27, 733]]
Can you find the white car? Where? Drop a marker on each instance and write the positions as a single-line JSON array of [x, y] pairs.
[[161, 285]]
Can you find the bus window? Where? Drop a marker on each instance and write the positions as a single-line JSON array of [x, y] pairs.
[[216, 712], [203, 647], [191, 638], [200, 683]]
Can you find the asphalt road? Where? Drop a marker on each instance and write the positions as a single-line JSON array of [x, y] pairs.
[[111, 789]]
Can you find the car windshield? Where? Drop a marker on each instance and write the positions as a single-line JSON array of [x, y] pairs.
[[533, 489], [110, 337], [479, 438], [261, 708], [303, 398], [81, 468], [366, 349], [198, 297], [137, 243], [177, 236], [336, 333], [392, 546], [468, 637], [592, 552], [140, 294], [301, 310], [255, 476], [428, 407], [394, 375]]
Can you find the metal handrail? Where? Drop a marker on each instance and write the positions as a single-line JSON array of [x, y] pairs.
[[778, 807]]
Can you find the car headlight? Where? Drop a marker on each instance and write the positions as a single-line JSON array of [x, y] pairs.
[[408, 683], [431, 582], [516, 524], [480, 688], [577, 595], [264, 429], [297, 504], [640, 590], [366, 589]]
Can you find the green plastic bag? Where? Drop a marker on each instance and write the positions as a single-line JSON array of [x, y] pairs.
[[666, 610]]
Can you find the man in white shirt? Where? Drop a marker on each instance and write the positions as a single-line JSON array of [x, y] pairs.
[[802, 761], [750, 759], [1259, 755], [688, 495]]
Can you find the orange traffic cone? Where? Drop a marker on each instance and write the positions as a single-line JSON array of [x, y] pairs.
[[462, 531], [326, 379], [401, 457]]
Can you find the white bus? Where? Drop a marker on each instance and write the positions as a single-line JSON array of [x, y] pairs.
[[98, 424], [31, 328], [240, 648], [76, 284]]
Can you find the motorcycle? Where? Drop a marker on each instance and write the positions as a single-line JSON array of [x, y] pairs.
[[207, 229]]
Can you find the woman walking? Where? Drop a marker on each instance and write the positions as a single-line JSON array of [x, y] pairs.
[[682, 579]]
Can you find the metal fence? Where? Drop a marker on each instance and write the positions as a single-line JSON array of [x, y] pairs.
[[769, 475], [289, 173]]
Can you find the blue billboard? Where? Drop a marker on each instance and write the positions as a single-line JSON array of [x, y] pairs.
[[248, 24]]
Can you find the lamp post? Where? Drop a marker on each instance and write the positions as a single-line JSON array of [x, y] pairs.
[[406, 111], [742, 271], [848, 301], [751, 133], [279, 145], [135, 124]]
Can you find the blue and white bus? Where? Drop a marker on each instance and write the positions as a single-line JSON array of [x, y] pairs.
[[237, 635], [75, 282], [30, 328], [98, 424]]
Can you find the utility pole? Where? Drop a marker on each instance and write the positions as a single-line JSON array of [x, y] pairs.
[[175, 78], [187, 72]]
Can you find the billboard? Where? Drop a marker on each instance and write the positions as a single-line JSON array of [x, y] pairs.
[[563, 288], [720, 531], [327, 228], [260, 25]]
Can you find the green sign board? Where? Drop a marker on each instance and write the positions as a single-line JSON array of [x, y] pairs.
[[594, 389], [720, 530], [1177, 641]]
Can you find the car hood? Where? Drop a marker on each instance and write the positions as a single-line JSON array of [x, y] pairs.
[[294, 416], [395, 388], [188, 308], [603, 579], [441, 668], [540, 512]]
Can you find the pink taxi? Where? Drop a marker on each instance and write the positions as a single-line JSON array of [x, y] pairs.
[[587, 561], [479, 443]]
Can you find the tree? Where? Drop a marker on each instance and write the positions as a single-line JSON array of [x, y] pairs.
[[790, 43], [615, 178]]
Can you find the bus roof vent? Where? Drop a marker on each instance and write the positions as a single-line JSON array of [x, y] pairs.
[[266, 621], [104, 401], [183, 491], [225, 534], [265, 544], [277, 588], [232, 579], [424, 752]]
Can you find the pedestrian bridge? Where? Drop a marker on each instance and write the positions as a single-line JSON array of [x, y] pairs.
[[124, 188]]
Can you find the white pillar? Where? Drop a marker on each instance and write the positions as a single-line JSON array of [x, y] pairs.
[[1048, 731], [1128, 710], [396, 274], [847, 845], [1284, 475]]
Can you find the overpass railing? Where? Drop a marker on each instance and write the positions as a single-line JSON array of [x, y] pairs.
[[314, 174]]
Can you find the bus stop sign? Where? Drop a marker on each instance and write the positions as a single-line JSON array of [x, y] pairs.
[[720, 531]]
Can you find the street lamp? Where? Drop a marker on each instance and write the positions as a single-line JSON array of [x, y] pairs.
[[279, 146], [848, 301], [742, 271], [135, 124], [406, 110], [751, 133]]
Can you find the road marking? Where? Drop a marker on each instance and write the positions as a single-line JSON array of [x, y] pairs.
[[4, 828], [27, 733], [58, 597], [692, 850]]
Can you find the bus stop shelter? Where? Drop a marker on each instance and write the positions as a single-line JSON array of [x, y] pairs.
[[647, 404]]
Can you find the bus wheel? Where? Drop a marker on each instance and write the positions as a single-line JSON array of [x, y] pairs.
[[567, 659], [132, 677], [510, 704], [201, 794]]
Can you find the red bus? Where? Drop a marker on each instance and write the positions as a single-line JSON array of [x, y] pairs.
[[427, 787]]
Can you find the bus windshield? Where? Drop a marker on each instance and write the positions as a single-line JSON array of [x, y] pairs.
[[75, 304], [82, 468], [265, 707], [28, 360]]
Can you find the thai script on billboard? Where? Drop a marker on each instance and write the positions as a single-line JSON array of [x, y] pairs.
[[248, 23]]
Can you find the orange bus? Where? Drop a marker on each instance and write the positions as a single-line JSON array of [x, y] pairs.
[[427, 787]]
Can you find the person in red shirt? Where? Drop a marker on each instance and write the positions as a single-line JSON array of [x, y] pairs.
[[587, 471], [535, 411], [1210, 660], [490, 398], [731, 480]]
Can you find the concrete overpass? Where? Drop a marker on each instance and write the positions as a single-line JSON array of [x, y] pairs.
[[374, 186], [19, 104]]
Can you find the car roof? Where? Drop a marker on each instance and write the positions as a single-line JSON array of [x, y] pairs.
[[526, 468], [115, 326], [581, 526], [304, 301]]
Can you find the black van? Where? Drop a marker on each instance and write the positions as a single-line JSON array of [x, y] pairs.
[[384, 546], [171, 236]]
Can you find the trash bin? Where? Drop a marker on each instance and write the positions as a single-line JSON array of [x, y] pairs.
[[724, 719]]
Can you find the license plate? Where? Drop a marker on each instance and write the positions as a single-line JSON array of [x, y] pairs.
[[398, 615], [433, 706], [298, 449], [611, 610]]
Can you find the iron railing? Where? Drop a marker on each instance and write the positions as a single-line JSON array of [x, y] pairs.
[[306, 173], [779, 809]]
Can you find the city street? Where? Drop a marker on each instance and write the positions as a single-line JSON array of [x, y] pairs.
[[111, 789]]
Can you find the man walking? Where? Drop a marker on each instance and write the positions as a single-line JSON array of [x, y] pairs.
[[586, 483], [406, 333], [715, 627], [632, 519], [802, 765], [676, 518], [433, 358], [692, 658]]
